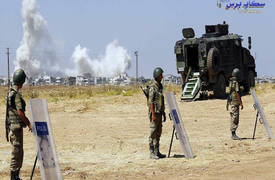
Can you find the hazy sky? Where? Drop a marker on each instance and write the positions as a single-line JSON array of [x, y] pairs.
[[150, 26]]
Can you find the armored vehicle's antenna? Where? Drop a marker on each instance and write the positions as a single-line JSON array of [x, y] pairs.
[[249, 42]]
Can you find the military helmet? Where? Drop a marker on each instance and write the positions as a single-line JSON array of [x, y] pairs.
[[157, 72], [19, 77], [235, 72]]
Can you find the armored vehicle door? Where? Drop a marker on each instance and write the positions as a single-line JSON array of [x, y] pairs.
[[192, 57], [179, 51]]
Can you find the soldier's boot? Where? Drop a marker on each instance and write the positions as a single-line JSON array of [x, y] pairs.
[[234, 136], [158, 153], [17, 175], [153, 154], [13, 175]]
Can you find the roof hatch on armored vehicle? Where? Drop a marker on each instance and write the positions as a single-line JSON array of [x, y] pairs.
[[216, 30], [188, 33]]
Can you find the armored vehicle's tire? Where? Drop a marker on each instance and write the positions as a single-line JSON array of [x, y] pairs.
[[213, 60], [220, 87]]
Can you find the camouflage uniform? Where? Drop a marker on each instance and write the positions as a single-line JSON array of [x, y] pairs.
[[234, 89], [156, 97], [16, 128]]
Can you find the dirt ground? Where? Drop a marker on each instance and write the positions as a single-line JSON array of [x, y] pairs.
[[106, 137]]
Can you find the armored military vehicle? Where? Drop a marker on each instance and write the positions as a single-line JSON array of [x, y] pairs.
[[206, 63]]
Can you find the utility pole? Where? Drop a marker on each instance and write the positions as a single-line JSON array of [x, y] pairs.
[[136, 54], [8, 57]]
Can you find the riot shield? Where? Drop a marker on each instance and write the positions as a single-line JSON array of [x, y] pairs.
[[48, 162], [178, 124], [259, 110]]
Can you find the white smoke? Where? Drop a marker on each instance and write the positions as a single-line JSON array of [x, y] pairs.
[[115, 61], [36, 53]]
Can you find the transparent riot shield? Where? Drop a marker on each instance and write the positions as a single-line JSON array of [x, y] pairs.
[[178, 124], [48, 162], [259, 110]]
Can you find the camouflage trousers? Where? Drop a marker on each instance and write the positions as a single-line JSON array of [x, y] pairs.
[[155, 130], [17, 153], [235, 112]]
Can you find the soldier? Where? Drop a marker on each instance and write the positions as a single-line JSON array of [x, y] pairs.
[[18, 120], [156, 112], [235, 102]]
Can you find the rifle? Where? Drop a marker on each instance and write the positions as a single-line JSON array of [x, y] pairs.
[[145, 91], [7, 122]]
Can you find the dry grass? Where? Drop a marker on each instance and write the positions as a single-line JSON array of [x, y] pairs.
[[173, 88], [57, 93], [60, 93], [264, 88], [79, 98]]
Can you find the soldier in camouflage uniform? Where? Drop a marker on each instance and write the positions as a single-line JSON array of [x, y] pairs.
[[18, 120], [235, 102], [156, 112]]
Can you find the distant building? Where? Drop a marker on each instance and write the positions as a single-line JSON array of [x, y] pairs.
[[79, 80], [87, 75], [49, 80], [122, 79], [30, 81], [171, 79], [2, 81], [60, 81], [101, 80], [38, 81], [84, 81], [70, 81], [87, 80], [265, 79]]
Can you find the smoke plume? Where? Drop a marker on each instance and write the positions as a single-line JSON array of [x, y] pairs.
[[115, 61], [36, 53]]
